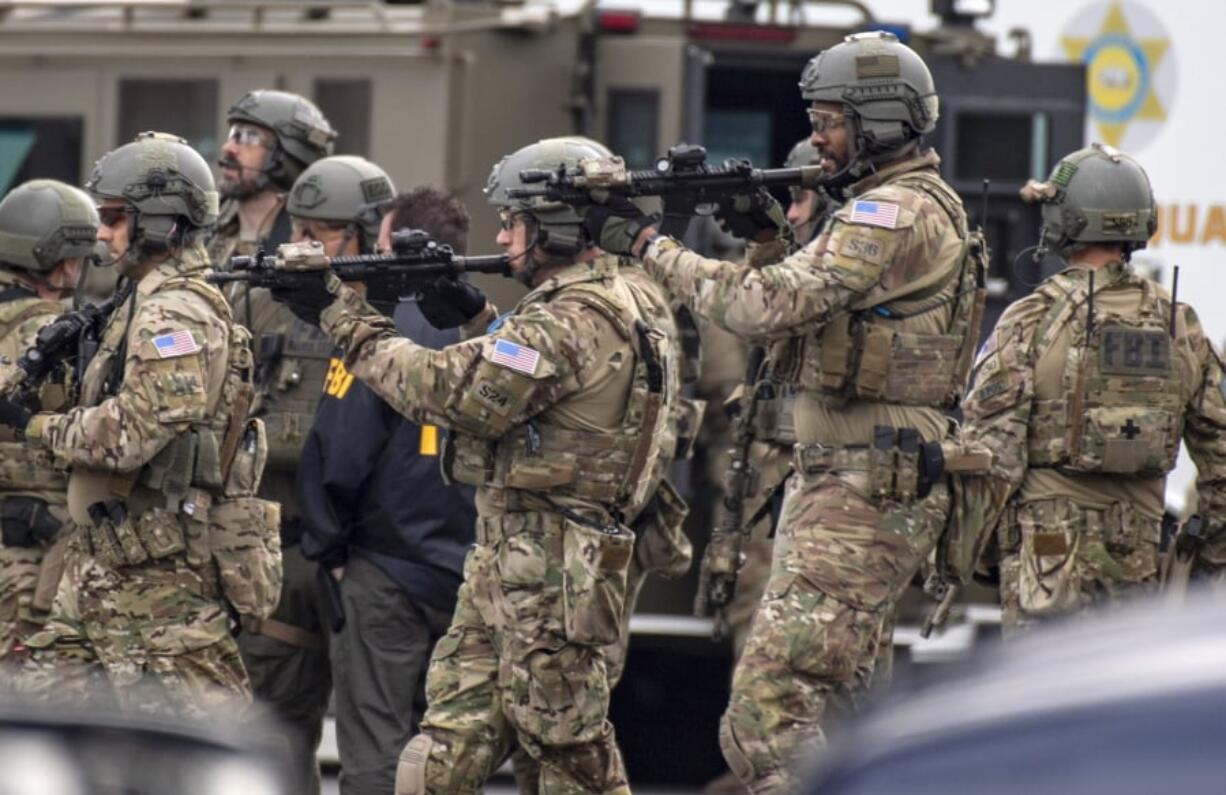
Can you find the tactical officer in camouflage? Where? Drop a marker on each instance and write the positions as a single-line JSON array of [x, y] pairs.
[[274, 136], [808, 209], [774, 432], [555, 414], [1083, 397], [877, 315], [661, 547], [47, 229], [163, 465], [335, 201]]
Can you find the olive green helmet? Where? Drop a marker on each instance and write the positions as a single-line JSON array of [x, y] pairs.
[[302, 131], [804, 153], [559, 225], [343, 188], [165, 182], [885, 89], [1095, 195], [43, 222]]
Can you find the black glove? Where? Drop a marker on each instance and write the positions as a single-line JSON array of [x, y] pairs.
[[750, 215], [305, 296], [613, 222], [448, 303], [14, 415]]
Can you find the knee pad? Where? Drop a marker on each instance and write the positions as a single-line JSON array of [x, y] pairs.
[[411, 768]]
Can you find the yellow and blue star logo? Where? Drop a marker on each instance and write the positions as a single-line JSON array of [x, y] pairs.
[[1122, 69]]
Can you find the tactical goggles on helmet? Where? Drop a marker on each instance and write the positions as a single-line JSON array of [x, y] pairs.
[[825, 120], [113, 214], [507, 219], [248, 135], [314, 228]]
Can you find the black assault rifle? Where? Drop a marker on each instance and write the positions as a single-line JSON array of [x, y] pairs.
[[724, 557], [682, 178], [415, 260], [71, 336]]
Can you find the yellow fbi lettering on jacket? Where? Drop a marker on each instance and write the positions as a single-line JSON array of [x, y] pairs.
[[338, 380]]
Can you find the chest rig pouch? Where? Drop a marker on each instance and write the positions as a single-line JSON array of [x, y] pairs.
[[1121, 411], [611, 467], [291, 370], [205, 478], [872, 353]]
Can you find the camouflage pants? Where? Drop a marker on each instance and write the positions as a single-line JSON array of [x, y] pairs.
[[147, 639], [841, 561], [662, 549], [1058, 558], [19, 568], [508, 671]]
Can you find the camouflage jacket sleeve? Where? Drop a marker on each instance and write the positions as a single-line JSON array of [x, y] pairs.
[[172, 375], [997, 410], [455, 387], [1205, 416], [799, 293]]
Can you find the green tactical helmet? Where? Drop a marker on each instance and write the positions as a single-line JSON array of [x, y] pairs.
[[1096, 195], [884, 86], [560, 225], [804, 153], [45, 221], [164, 180], [302, 131], [343, 188]]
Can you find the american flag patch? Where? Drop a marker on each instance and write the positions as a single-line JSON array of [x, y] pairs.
[[875, 214], [516, 357], [176, 343]]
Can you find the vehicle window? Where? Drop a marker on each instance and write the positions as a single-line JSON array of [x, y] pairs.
[[347, 105], [739, 134], [187, 108], [634, 116], [43, 148], [1002, 146]]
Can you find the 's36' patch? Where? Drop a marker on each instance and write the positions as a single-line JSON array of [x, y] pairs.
[[863, 248]]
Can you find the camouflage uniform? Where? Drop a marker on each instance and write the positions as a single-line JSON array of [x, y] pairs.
[[287, 654], [145, 591], [29, 565], [661, 546], [555, 417], [877, 330], [1077, 506]]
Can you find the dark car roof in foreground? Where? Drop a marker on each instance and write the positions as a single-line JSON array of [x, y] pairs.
[[1096, 673]]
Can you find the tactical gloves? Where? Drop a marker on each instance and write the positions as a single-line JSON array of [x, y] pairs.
[[306, 297], [756, 216], [613, 222], [14, 415], [449, 303]]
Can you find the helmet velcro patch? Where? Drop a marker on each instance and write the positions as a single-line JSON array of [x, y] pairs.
[[870, 66], [1064, 172], [376, 189]]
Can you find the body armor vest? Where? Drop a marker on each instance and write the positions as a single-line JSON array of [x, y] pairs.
[[1121, 410], [868, 353], [613, 467], [202, 457], [26, 468]]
